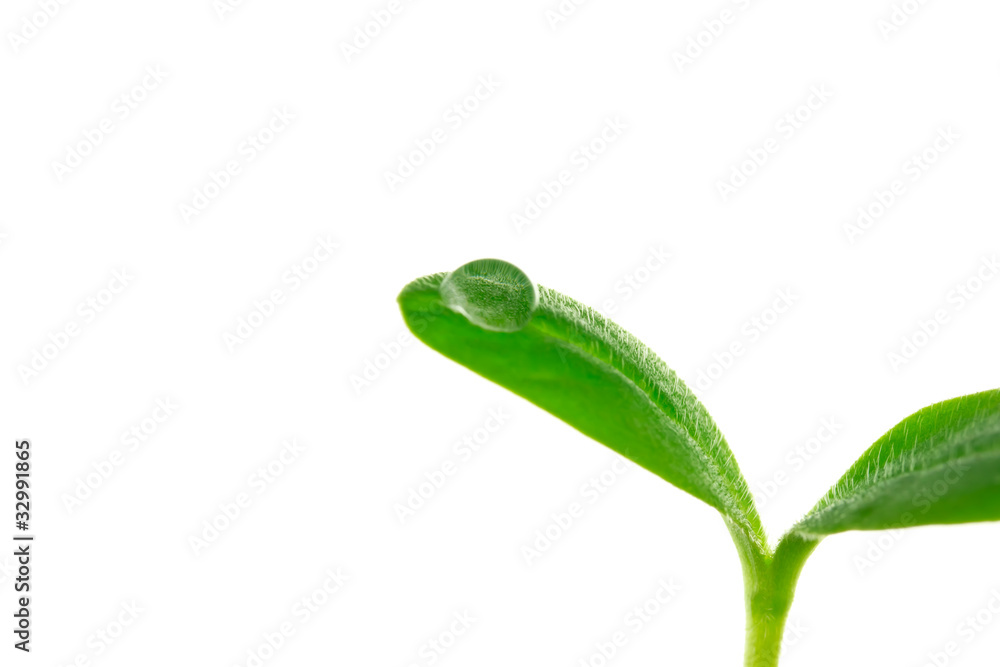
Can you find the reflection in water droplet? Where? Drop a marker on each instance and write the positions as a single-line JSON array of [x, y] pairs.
[[491, 293]]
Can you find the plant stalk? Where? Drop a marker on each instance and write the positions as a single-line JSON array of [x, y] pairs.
[[769, 585]]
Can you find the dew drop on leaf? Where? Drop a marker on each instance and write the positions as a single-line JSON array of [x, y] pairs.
[[491, 293]]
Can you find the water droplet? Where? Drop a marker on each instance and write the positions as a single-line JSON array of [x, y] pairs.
[[491, 293]]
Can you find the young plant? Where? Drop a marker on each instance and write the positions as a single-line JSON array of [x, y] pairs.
[[940, 465]]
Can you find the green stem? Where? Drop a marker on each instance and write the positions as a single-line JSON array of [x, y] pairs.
[[769, 583]]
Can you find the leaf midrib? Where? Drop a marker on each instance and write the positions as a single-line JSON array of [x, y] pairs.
[[740, 508]]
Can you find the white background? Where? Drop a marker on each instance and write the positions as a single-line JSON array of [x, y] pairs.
[[193, 278]]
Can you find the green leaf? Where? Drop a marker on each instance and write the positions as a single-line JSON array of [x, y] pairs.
[[584, 369], [940, 465]]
